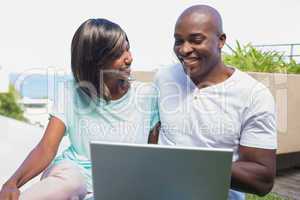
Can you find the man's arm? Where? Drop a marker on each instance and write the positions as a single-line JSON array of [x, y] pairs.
[[254, 171], [154, 134]]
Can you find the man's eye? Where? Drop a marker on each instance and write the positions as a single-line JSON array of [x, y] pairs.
[[178, 42], [197, 40]]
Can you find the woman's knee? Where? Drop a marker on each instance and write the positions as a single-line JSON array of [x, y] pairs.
[[71, 178], [75, 185]]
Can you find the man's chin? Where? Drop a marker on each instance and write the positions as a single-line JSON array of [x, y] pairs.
[[194, 75], [191, 71]]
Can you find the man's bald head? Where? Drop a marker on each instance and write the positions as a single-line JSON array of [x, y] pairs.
[[199, 39], [203, 14]]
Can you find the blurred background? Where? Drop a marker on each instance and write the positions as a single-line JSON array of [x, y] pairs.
[[35, 39]]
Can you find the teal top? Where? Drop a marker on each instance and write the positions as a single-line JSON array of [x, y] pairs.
[[128, 119]]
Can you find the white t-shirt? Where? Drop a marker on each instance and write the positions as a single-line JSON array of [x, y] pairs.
[[238, 111]]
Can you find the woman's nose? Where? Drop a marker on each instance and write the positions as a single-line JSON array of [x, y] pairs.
[[128, 58]]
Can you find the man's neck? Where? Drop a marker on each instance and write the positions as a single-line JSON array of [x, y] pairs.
[[217, 75]]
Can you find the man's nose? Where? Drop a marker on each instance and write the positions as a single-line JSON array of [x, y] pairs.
[[185, 49]]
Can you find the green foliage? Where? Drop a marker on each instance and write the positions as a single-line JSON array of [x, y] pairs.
[[268, 197], [9, 106], [248, 58]]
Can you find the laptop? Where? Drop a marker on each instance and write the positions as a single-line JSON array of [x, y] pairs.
[[154, 172]]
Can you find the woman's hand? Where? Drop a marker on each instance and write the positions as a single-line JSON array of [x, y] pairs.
[[9, 192], [37, 160]]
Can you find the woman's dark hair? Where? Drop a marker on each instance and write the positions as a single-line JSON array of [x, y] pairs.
[[95, 44]]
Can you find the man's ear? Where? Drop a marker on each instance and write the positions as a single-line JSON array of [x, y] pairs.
[[222, 39]]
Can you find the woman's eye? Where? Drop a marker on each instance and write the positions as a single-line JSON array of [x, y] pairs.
[[126, 46], [118, 55]]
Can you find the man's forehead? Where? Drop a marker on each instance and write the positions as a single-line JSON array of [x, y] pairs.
[[195, 22], [197, 17]]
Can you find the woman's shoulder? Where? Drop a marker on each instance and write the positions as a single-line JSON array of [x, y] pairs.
[[69, 90]]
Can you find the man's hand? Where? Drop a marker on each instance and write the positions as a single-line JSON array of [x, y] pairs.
[[9, 192]]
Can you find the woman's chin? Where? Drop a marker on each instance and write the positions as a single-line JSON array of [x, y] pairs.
[[124, 85]]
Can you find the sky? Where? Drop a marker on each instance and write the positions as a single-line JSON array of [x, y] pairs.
[[36, 35]]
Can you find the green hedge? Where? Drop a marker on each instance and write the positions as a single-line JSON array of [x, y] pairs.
[[248, 58], [9, 106]]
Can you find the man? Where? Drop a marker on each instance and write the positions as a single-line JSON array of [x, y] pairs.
[[204, 103]]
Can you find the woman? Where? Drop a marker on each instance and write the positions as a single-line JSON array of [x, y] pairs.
[[99, 104]]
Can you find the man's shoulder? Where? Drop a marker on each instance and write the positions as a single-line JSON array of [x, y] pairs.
[[252, 90], [144, 88], [169, 71], [244, 77], [247, 82], [171, 75]]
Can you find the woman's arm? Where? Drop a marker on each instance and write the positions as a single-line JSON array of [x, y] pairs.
[[39, 158], [154, 134]]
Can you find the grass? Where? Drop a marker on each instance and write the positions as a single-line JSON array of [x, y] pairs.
[[268, 197]]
